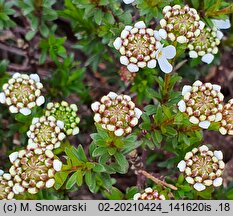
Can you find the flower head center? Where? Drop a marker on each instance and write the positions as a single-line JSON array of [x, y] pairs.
[[22, 92], [44, 133]]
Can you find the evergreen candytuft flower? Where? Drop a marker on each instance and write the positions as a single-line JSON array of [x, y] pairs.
[[140, 47], [202, 102], [22, 93], [149, 194], [203, 167], [45, 132], [226, 124], [33, 170], [181, 23], [116, 113], [66, 113], [6, 186]]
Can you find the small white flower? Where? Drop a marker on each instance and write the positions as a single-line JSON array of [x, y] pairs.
[[218, 154], [57, 165], [50, 183], [35, 77], [186, 89], [208, 58], [162, 33], [1, 172], [40, 100], [193, 54], [217, 182], [112, 95], [181, 39], [152, 63], [124, 60], [204, 124], [220, 35], [13, 156], [128, 1], [75, 131], [25, 111], [60, 124], [182, 106], [199, 186], [164, 53], [119, 132], [201, 25], [136, 196], [140, 25], [117, 43], [181, 166], [138, 113], [133, 67], [2, 98], [221, 24], [95, 106]]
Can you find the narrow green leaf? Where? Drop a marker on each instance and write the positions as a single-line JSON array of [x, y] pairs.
[[71, 181]]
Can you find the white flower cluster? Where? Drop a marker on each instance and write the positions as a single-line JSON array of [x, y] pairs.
[[45, 133], [6, 186], [32, 171], [203, 167], [141, 47], [202, 102], [22, 93], [149, 194], [116, 113]]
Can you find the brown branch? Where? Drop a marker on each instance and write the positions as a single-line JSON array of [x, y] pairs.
[[156, 180]]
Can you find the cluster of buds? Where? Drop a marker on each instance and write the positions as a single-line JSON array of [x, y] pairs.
[[116, 113], [205, 45], [22, 93], [6, 186], [66, 113], [126, 76], [181, 23], [140, 47], [203, 167], [226, 125], [33, 170], [149, 194], [45, 133], [202, 102]]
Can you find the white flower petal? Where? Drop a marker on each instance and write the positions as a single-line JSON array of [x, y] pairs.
[[181, 39], [204, 124], [2, 98], [207, 58], [182, 106], [75, 131], [57, 165], [218, 117], [138, 113], [152, 63], [203, 148], [1, 172], [117, 43], [162, 33], [128, 1], [164, 65], [13, 156], [140, 25], [124, 60], [35, 77], [186, 89], [218, 154], [119, 132], [60, 124], [216, 87], [157, 36], [128, 28], [124, 34], [199, 186], [50, 183], [13, 109], [95, 106], [112, 95], [193, 54], [202, 25], [181, 166], [40, 100], [217, 182], [197, 83], [222, 24], [35, 120], [133, 67], [169, 51], [16, 75], [136, 196], [220, 35], [25, 111]]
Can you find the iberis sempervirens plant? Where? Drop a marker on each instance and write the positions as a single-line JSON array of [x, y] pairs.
[[6, 186], [181, 23], [45, 132], [205, 45], [202, 102], [22, 93], [33, 170], [66, 113], [203, 168], [226, 125], [149, 194], [116, 113], [140, 47]]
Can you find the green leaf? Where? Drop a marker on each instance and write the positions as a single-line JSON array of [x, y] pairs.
[[229, 194], [30, 35], [114, 194], [79, 152], [99, 168], [72, 180], [157, 137], [60, 178], [122, 161], [79, 179], [98, 16], [99, 151], [90, 181]]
